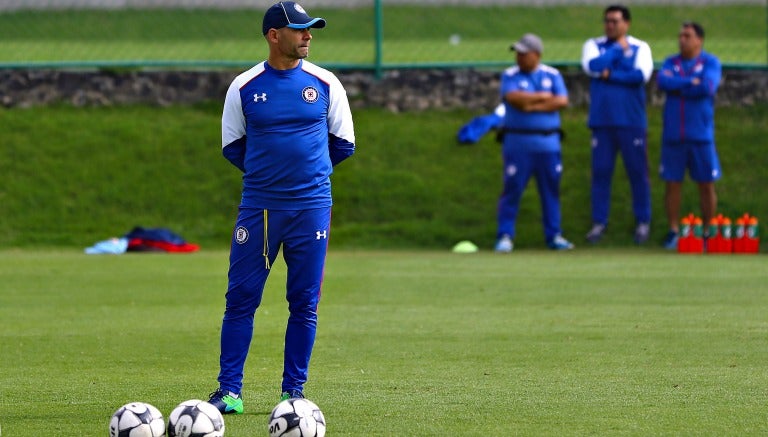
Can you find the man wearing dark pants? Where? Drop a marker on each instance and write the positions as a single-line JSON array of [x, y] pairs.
[[619, 66]]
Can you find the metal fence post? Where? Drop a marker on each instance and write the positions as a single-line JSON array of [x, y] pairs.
[[379, 19]]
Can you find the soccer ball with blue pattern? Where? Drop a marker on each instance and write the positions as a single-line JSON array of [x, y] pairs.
[[195, 418], [296, 418], [137, 419]]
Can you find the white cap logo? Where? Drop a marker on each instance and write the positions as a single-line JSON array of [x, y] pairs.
[[299, 8]]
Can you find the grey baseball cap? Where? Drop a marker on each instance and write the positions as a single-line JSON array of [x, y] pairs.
[[528, 43]]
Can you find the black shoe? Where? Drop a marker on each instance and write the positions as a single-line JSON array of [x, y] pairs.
[[670, 241]]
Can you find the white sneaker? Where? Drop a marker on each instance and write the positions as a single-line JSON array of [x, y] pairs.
[[560, 243], [504, 245]]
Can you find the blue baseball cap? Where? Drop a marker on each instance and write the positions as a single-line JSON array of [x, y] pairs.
[[289, 14]]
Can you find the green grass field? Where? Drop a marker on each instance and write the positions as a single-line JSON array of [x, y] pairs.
[[605, 342], [411, 34]]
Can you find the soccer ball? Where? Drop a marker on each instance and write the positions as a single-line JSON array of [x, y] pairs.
[[296, 418], [137, 419], [195, 418]]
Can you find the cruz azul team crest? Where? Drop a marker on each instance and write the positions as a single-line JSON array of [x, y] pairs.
[[310, 94], [241, 235]]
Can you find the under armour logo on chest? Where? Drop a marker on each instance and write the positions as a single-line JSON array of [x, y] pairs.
[[260, 98], [321, 234]]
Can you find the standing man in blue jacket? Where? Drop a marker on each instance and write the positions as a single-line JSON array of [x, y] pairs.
[[690, 80], [619, 66], [533, 94], [286, 123]]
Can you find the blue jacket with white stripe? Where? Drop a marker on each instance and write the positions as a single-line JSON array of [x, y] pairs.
[[618, 100], [689, 109]]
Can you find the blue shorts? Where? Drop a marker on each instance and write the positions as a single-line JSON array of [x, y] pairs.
[[700, 158]]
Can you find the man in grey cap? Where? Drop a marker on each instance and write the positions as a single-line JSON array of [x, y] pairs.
[[286, 123], [533, 94], [528, 43]]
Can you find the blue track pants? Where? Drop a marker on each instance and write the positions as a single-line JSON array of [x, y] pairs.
[[519, 166], [256, 241], [631, 142]]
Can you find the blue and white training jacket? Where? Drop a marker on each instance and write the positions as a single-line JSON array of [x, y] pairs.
[[689, 110], [618, 101], [286, 129]]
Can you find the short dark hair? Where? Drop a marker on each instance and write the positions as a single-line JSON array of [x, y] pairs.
[[697, 29], [619, 8]]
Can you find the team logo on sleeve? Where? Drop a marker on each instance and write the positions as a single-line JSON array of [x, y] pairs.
[[310, 94], [241, 235]]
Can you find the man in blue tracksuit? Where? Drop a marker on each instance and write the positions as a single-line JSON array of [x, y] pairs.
[[690, 80], [619, 66], [286, 123], [533, 94]]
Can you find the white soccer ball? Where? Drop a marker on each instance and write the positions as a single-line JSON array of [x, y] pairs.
[[296, 418], [195, 418], [137, 419]]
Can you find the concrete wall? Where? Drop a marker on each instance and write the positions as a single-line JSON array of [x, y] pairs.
[[398, 90]]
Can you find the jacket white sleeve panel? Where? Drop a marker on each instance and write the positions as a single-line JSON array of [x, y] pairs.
[[644, 59], [339, 114], [589, 52], [232, 118]]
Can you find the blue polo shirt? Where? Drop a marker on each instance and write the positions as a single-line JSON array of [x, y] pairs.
[[543, 78]]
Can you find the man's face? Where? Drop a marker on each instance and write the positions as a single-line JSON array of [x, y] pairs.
[[689, 42], [615, 25], [294, 43], [527, 61]]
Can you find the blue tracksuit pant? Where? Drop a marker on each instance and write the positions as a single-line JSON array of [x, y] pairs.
[[631, 142], [519, 166], [256, 241]]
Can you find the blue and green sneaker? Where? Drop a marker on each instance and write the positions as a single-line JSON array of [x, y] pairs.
[[291, 394], [226, 402]]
